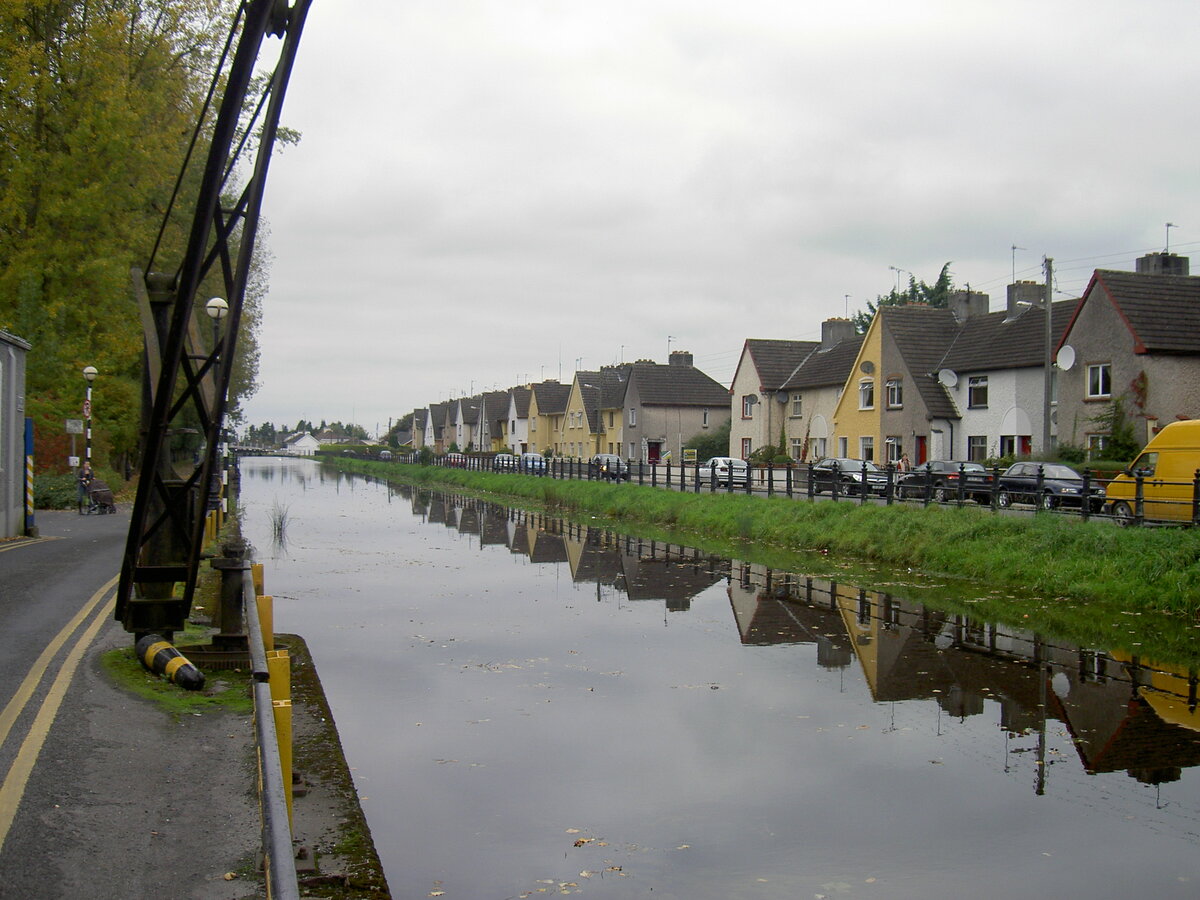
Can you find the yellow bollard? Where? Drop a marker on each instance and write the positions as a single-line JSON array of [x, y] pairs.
[[161, 658], [266, 619], [283, 732], [256, 575], [279, 674]]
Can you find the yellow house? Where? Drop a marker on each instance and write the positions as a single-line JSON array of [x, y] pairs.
[[547, 409], [856, 420], [579, 438]]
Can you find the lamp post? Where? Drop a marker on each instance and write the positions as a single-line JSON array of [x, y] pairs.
[[89, 375], [217, 309]]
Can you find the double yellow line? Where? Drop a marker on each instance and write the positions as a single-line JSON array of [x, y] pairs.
[[13, 787]]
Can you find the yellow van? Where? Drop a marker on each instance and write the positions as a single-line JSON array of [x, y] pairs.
[[1168, 467]]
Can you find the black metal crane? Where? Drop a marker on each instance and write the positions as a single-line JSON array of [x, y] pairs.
[[185, 386]]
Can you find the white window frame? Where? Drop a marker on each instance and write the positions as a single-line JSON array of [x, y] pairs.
[[866, 447], [797, 406], [1099, 381], [976, 385], [633, 417], [895, 393], [866, 393]]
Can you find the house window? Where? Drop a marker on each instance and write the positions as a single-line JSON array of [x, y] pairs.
[[976, 447], [632, 417], [1096, 445], [895, 393], [866, 394], [797, 448], [977, 390], [533, 424], [512, 428], [866, 447], [747, 446], [747, 406], [895, 449], [818, 448], [843, 447], [1099, 383], [704, 419], [610, 418], [797, 406]]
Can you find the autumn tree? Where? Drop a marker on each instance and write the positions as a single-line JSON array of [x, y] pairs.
[[98, 102]]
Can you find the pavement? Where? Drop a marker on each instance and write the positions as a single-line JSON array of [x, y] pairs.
[[107, 796]]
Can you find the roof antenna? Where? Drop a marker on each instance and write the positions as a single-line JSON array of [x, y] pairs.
[[1015, 248], [1170, 225]]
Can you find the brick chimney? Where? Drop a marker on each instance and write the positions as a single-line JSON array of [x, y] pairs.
[[1162, 264], [680, 358], [965, 304]]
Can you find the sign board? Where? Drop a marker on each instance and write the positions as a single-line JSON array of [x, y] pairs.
[[87, 409], [73, 462], [689, 454], [74, 426]]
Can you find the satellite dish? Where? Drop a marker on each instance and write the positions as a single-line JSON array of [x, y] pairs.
[[751, 399], [867, 366], [947, 377], [1066, 357]]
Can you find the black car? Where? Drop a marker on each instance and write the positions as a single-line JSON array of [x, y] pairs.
[[1048, 485], [848, 475], [609, 466], [939, 480]]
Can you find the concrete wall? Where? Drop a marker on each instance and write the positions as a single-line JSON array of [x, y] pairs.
[[12, 435]]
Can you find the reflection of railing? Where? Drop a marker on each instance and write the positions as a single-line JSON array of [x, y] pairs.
[[1149, 501]]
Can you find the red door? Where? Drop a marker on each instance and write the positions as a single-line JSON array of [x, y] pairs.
[[922, 449]]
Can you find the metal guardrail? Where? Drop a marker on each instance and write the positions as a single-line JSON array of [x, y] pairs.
[[278, 861]]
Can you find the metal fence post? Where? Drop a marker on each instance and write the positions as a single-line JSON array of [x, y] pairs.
[[1085, 502]]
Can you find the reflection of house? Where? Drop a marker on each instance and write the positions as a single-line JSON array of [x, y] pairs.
[[781, 608]]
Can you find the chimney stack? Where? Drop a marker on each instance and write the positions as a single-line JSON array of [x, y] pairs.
[[965, 304], [1162, 264], [834, 331], [680, 358]]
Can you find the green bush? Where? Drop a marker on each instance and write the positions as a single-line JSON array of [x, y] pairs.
[[62, 491]]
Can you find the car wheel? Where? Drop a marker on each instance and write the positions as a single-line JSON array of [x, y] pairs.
[[1122, 514], [1003, 500], [1048, 501]]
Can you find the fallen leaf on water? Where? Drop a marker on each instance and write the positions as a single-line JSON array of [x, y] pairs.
[[582, 841]]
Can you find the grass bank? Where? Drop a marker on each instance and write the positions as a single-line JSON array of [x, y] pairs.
[[1136, 570]]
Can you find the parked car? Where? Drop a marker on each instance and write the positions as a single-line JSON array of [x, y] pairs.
[[533, 464], [1167, 466], [504, 462], [725, 470], [848, 474], [608, 465], [1059, 485], [456, 460], [939, 479]]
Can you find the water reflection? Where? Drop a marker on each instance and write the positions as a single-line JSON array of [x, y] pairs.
[[1122, 713], [712, 727]]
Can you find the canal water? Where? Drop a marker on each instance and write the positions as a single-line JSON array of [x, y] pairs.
[[533, 707]]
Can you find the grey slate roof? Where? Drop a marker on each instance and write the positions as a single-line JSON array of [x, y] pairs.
[[1161, 311], [677, 385], [552, 397], [994, 341], [520, 397], [825, 368], [776, 360], [921, 334]]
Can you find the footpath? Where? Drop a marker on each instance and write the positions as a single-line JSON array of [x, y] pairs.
[[105, 795]]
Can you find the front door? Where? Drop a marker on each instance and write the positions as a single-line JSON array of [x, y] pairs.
[[922, 449]]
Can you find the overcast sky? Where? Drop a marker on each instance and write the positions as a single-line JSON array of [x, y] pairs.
[[488, 193]]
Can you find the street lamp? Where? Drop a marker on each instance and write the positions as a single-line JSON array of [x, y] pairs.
[[89, 375], [217, 309]]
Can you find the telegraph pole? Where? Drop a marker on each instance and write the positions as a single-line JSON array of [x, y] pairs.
[[1047, 382]]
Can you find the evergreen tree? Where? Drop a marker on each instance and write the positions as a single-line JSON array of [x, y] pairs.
[[936, 295]]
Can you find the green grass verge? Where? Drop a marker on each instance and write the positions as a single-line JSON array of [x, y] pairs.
[[224, 691], [1061, 569]]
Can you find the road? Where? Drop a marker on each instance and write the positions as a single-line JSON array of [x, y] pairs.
[[104, 795]]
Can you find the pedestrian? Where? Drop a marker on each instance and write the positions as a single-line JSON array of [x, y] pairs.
[[84, 483], [905, 465]]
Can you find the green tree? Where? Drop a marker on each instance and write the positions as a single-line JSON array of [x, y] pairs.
[[936, 295], [710, 443]]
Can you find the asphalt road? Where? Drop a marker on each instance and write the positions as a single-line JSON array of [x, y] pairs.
[[104, 795]]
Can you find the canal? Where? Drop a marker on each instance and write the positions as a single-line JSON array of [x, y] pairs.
[[535, 707]]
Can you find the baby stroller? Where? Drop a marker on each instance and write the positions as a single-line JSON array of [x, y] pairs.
[[100, 498]]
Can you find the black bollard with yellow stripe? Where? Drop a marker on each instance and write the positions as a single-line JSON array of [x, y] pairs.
[[161, 658]]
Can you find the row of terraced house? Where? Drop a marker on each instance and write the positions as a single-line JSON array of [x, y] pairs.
[[924, 383]]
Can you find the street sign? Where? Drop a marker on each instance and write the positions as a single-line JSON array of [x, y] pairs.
[[74, 426], [87, 409]]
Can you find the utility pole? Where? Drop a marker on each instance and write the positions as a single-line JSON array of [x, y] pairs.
[[1047, 382]]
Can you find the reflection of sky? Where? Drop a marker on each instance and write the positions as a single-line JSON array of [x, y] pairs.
[[488, 706]]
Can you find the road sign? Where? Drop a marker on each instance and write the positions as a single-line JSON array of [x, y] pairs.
[[87, 409], [74, 426]]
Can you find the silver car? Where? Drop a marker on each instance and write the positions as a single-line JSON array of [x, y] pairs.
[[725, 470]]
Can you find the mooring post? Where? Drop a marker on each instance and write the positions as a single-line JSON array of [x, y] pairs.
[[232, 566]]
